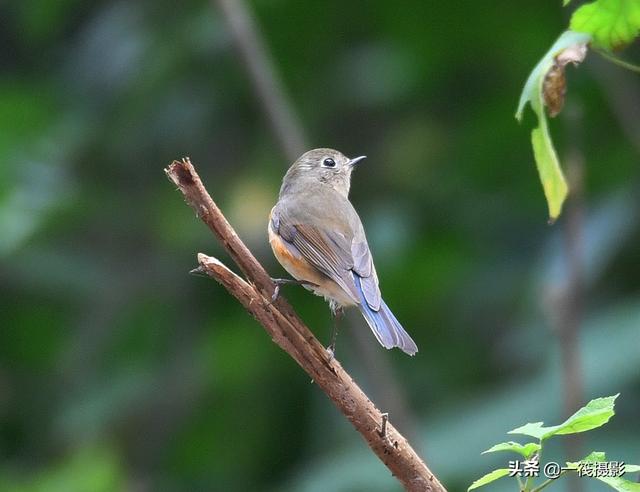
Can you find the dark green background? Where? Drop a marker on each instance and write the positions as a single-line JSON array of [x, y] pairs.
[[118, 371]]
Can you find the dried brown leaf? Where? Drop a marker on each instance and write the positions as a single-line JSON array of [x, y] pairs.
[[554, 86]]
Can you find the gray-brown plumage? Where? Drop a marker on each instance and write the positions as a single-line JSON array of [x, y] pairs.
[[318, 237]]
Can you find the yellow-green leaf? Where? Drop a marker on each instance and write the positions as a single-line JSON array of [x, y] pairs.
[[532, 429], [612, 23], [525, 450], [553, 181], [592, 457], [618, 483], [489, 477], [594, 414], [621, 484]]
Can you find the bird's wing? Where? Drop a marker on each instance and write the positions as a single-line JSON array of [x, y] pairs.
[[365, 270], [327, 250]]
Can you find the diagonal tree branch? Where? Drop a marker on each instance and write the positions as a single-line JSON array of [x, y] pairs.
[[288, 130], [292, 335]]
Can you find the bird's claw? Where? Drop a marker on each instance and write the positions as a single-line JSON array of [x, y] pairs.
[[331, 352], [279, 282], [276, 293]]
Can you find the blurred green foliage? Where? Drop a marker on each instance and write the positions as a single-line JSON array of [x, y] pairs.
[[118, 371]]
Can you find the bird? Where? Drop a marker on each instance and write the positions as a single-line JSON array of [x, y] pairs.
[[317, 236]]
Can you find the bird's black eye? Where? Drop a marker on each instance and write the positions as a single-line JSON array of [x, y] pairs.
[[329, 162]]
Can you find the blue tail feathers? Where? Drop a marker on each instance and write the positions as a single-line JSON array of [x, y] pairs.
[[386, 327]]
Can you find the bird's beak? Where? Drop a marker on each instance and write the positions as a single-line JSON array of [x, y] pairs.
[[355, 160]]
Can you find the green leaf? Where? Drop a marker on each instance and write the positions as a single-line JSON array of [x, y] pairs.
[[618, 483], [553, 181], [593, 457], [595, 414], [535, 429], [489, 477], [612, 23], [525, 450], [597, 456]]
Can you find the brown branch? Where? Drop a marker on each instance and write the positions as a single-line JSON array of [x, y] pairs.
[[289, 132], [292, 335]]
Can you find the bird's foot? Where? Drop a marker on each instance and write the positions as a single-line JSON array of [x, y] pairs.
[[331, 351], [285, 281], [337, 312]]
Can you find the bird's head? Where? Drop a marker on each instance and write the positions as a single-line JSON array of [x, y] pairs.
[[325, 166]]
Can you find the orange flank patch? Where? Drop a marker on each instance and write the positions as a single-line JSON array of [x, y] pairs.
[[300, 269], [296, 265]]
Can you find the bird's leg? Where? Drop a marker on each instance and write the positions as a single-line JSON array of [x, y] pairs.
[[336, 312], [285, 281]]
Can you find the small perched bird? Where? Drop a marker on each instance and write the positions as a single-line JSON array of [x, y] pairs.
[[317, 236]]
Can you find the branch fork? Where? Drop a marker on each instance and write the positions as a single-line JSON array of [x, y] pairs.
[[255, 292]]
